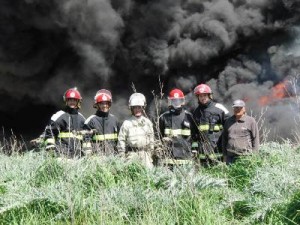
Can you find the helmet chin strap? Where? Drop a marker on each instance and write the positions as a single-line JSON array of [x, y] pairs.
[[175, 110]]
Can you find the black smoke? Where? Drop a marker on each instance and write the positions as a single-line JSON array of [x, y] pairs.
[[242, 48]]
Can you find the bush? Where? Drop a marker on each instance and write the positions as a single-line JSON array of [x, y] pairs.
[[48, 172], [44, 209]]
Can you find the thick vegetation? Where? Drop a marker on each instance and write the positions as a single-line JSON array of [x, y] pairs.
[[36, 188]]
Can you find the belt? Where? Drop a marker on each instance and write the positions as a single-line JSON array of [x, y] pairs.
[[177, 161]]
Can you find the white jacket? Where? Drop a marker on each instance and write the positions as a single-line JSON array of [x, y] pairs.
[[137, 133]]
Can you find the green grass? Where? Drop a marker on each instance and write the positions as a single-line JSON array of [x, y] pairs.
[[38, 189]]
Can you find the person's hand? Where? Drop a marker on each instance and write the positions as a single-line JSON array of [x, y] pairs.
[[194, 154], [167, 139], [50, 147], [34, 142]]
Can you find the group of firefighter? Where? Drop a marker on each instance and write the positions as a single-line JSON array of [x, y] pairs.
[[180, 137]]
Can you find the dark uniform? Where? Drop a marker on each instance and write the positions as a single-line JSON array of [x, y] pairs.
[[179, 126], [62, 134], [105, 136], [210, 119]]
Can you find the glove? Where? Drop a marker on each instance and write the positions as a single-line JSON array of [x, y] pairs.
[[35, 142], [194, 154], [87, 148], [50, 147], [167, 139]]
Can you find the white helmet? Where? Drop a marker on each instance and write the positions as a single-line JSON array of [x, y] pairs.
[[137, 99]]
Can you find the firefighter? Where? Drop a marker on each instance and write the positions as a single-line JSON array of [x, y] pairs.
[[136, 136], [210, 118], [177, 129], [63, 132], [104, 126]]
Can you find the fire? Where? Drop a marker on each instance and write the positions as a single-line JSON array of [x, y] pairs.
[[279, 91]]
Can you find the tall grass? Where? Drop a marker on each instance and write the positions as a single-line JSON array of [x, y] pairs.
[[36, 188]]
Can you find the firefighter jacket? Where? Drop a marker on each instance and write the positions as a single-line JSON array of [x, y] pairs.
[[105, 135], [136, 134], [62, 132], [210, 119], [178, 125]]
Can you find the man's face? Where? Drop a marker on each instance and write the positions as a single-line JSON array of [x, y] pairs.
[[239, 111], [203, 98], [72, 103], [103, 106], [137, 111]]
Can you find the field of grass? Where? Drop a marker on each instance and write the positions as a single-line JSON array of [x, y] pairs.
[[36, 188]]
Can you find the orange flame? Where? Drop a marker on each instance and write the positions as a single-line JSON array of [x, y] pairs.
[[279, 91]]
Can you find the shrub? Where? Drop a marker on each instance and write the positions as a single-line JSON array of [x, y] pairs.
[[48, 172], [40, 208]]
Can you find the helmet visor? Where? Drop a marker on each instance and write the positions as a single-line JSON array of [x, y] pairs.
[[176, 103]]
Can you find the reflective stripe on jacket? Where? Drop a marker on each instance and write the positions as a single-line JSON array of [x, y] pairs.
[[62, 129], [102, 137], [210, 120], [106, 128], [180, 127], [206, 127], [176, 132]]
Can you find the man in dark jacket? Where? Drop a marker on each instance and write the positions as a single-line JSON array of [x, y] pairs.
[[210, 118], [240, 136], [177, 128], [63, 132], [104, 125]]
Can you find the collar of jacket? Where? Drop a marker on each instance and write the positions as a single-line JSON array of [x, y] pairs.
[[242, 119], [204, 106], [138, 121], [175, 111], [71, 110], [101, 113]]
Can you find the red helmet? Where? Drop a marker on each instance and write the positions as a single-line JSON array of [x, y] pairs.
[[202, 89], [176, 94], [103, 95], [72, 93], [176, 98]]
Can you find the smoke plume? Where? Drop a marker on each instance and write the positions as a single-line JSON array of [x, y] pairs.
[[242, 48]]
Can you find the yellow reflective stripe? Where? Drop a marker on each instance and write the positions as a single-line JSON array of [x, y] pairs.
[[184, 132], [203, 127], [50, 141], [102, 137], [210, 156], [217, 127], [201, 156], [176, 161], [215, 155], [69, 135], [194, 144], [86, 145]]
